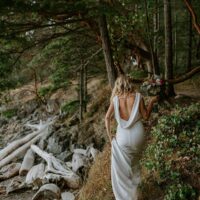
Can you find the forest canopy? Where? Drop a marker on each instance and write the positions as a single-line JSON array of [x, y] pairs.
[[58, 39]]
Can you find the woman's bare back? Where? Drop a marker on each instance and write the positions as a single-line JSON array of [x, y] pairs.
[[125, 106]]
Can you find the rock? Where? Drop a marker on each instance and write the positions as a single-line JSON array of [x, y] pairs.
[[67, 196], [48, 192]]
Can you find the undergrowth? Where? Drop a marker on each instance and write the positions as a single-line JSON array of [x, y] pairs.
[[171, 162], [98, 185]]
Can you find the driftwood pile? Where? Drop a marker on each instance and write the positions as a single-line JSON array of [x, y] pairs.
[[32, 167]]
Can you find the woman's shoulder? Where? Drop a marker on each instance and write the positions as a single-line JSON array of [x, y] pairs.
[[114, 98]]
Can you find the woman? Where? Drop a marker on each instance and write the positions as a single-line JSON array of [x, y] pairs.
[[126, 147]]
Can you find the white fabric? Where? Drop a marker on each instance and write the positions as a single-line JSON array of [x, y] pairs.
[[125, 152]]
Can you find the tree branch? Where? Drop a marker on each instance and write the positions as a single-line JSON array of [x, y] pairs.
[[54, 36], [193, 14], [185, 76]]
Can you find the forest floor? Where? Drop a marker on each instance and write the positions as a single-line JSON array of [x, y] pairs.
[[190, 90]]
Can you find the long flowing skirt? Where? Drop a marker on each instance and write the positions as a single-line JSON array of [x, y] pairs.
[[126, 150]]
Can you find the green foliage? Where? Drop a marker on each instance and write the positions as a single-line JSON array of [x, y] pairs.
[[174, 151], [59, 78], [10, 113], [138, 74], [43, 91], [70, 107], [180, 191]]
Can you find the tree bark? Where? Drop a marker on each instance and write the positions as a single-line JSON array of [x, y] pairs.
[[175, 36], [193, 14], [189, 56], [168, 47], [153, 55], [106, 45], [81, 93], [85, 87]]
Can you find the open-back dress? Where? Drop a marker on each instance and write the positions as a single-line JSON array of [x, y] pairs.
[[125, 152]]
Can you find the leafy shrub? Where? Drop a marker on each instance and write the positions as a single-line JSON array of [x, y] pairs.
[[60, 78], [70, 107], [43, 91], [174, 153], [138, 74], [10, 113]]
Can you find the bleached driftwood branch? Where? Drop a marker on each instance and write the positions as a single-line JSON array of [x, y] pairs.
[[50, 191], [20, 146], [9, 171], [35, 175], [58, 167], [27, 163]]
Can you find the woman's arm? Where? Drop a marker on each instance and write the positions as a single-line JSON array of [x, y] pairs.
[[147, 111], [107, 120]]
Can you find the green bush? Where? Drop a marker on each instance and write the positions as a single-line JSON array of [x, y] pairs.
[[10, 113], [70, 107], [43, 91], [175, 150], [138, 74]]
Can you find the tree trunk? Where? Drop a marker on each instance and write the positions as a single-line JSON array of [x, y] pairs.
[[85, 87], [81, 93], [189, 56], [156, 26], [193, 14], [153, 54], [168, 47], [106, 45], [175, 35], [198, 50]]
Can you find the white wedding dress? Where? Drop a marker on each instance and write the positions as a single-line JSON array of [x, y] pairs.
[[125, 152]]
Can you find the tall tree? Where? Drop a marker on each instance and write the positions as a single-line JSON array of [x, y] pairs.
[[189, 56], [106, 44], [168, 46], [153, 54]]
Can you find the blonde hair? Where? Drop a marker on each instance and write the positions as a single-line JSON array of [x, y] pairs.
[[123, 84]]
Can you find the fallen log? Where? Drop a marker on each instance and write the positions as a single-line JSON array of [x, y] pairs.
[[27, 163], [17, 183], [20, 146], [15, 144], [41, 127], [54, 178], [58, 167], [20, 151], [35, 175], [9, 171], [78, 161], [48, 191]]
